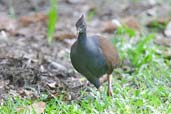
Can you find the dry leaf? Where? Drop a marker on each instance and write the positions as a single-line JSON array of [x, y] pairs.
[[110, 26], [37, 107], [38, 17], [131, 22], [64, 35]]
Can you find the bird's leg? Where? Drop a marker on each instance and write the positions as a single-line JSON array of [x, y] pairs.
[[109, 79]]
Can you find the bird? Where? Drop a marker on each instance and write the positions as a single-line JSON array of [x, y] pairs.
[[94, 56]]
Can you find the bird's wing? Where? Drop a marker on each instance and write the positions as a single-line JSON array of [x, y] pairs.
[[110, 53]]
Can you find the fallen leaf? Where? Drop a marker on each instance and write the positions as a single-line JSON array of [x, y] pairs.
[[110, 26], [64, 35], [131, 22], [37, 107], [38, 17]]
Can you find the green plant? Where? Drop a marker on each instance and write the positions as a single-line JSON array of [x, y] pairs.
[[139, 51], [91, 14], [52, 20]]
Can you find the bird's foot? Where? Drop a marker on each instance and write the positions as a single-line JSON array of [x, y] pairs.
[[109, 93]]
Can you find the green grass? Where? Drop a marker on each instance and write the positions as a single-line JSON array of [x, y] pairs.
[[91, 13], [145, 91], [52, 20]]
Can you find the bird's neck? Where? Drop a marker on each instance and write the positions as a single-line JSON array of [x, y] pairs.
[[82, 36]]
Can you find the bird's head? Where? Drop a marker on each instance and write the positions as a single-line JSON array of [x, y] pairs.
[[81, 25]]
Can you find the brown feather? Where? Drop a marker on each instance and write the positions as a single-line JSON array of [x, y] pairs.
[[110, 53]]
